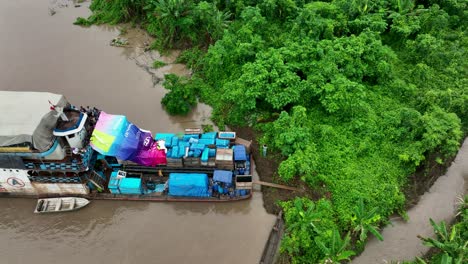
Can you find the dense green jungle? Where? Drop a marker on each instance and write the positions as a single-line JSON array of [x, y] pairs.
[[353, 96]]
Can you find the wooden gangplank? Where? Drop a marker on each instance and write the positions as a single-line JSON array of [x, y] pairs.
[[274, 185]]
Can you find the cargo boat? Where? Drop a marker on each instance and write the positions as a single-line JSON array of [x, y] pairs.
[[50, 148]]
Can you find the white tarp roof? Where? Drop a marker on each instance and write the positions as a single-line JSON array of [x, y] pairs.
[[26, 117]]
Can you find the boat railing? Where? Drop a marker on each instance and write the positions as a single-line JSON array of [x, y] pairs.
[[72, 163], [97, 180]]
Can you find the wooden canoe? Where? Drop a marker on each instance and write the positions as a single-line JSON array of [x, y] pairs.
[[60, 204]]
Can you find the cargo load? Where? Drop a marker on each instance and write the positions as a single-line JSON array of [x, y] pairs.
[[240, 153], [222, 176], [188, 184], [115, 136]]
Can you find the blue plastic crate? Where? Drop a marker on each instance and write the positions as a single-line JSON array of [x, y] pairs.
[[222, 142], [209, 135], [207, 141], [186, 137], [130, 183]]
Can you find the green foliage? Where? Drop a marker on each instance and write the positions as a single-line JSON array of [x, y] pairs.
[[289, 132], [207, 128], [170, 20], [191, 58], [181, 97], [442, 130], [82, 22], [174, 23], [158, 64], [334, 248], [213, 22], [453, 244], [311, 235], [365, 221], [113, 12]]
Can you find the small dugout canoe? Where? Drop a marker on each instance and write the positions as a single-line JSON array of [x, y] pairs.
[[60, 204]]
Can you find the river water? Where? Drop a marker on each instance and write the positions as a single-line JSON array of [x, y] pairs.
[[43, 52]]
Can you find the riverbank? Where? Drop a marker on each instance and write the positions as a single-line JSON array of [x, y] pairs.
[[430, 193], [267, 169], [418, 183], [439, 203]]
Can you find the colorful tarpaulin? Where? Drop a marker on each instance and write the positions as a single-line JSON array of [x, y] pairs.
[[115, 136]]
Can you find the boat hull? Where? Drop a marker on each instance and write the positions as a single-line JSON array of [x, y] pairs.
[[60, 204], [121, 197]]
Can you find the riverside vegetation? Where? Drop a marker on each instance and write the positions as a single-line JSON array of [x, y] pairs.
[[354, 94]]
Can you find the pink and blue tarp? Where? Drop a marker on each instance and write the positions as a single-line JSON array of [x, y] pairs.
[[115, 136]]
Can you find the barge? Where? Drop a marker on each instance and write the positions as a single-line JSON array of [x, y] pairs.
[[50, 148]]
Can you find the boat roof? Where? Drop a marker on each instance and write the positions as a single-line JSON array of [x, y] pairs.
[[26, 118]]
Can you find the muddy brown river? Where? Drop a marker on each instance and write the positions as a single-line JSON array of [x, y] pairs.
[[44, 52]]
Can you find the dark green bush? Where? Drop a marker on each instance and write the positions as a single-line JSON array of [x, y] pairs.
[[181, 97]]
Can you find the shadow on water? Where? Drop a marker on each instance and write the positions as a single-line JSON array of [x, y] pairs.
[[239, 207]]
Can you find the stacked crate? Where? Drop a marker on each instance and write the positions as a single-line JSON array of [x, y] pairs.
[[130, 186], [191, 162], [174, 162], [224, 159]]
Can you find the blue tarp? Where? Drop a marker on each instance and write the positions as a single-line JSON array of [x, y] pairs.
[[188, 184], [222, 176], [240, 153]]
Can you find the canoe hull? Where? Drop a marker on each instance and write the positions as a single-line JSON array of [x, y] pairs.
[[60, 204]]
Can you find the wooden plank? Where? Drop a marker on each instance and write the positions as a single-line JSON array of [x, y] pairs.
[[189, 131], [274, 185]]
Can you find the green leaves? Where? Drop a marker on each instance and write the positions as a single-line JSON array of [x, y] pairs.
[[442, 130], [290, 132], [311, 236], [452, 244], [365, 220], [170, 20], [334, 247], [182, 96]]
